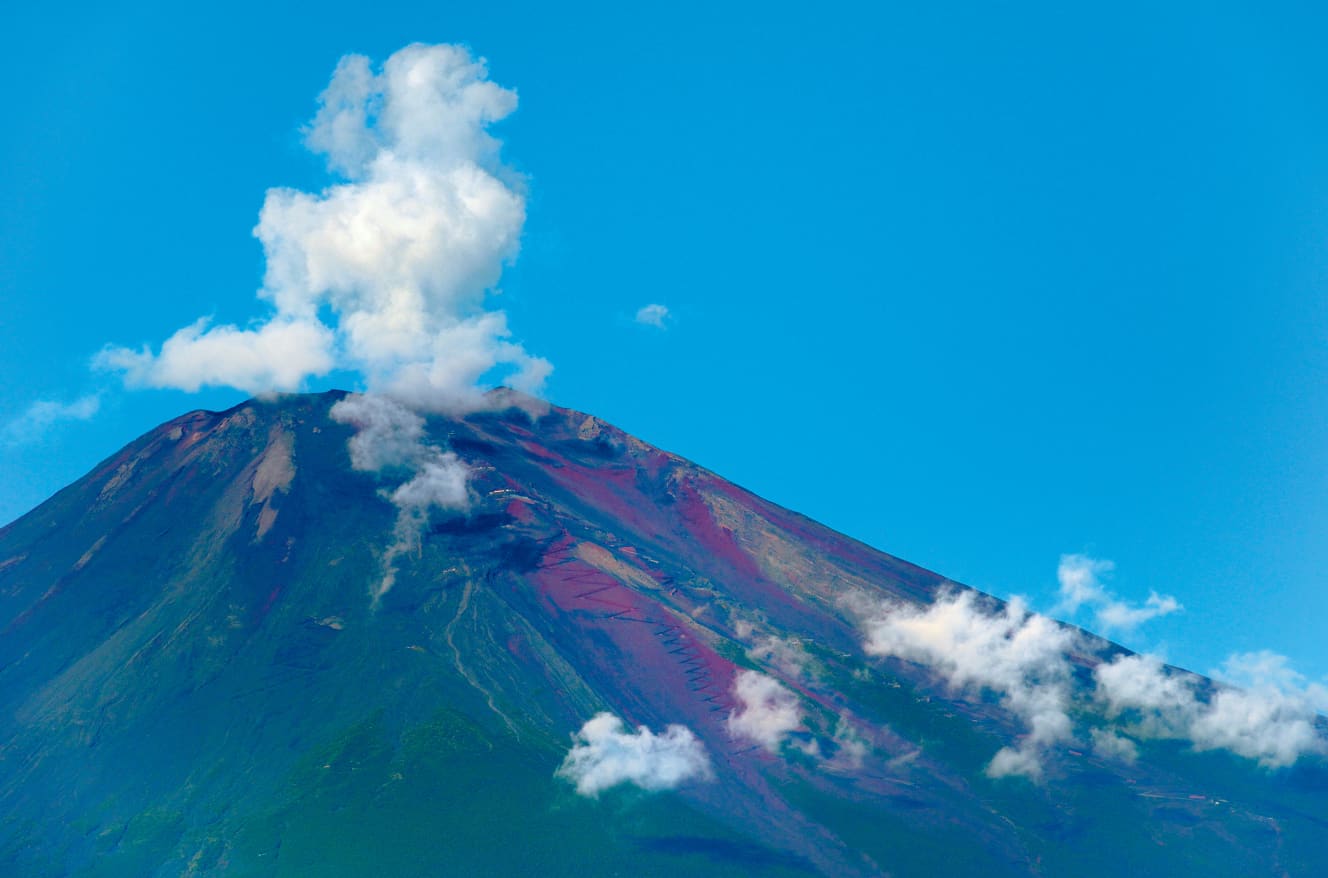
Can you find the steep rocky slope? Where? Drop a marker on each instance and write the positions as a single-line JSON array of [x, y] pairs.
[[227, 651]]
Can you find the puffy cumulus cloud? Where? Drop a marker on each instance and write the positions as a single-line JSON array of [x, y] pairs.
[[385, 273], [1272, 722], [390, 438], [766, 711], [1009, 651], [1080, 579], [1266, 725], [1161, 701], [45, 413], [653, 315], [604, 754]]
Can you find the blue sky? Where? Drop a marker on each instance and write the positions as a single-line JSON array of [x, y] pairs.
[[979, 286]]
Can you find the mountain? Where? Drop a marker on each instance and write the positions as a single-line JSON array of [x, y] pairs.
[[227, 650]]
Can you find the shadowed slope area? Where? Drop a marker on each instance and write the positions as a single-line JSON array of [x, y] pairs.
[[194, 679]]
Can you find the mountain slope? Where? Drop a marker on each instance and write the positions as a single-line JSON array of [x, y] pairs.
[[197, 678]]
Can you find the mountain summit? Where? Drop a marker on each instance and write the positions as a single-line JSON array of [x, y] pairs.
[[315, 636]]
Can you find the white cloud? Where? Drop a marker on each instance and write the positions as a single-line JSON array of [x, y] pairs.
[[1079, 580], [1081, 585], [1272, 722], [44, 413], [1268, 670], [1265, 725], [653, 315], [1120, 616], [399, 256], [1021, 761], [1019, 655], [1023, 657], [1140, 683], [766, 711], [1113, 745], [388, 435], [278, 355], [604, 754], [440, 481], [786, 655], [851, 748], [391, 438]]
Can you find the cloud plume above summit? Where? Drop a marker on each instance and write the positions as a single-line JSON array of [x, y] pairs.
[[387, 272]]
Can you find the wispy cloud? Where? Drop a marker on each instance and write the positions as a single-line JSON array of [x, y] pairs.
[[766, 711], [390, 438], [784, 654], [604, 755], [974, 645], [653, 315], [43, 414], [851, 747], [1080, 579], [387, 272]]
